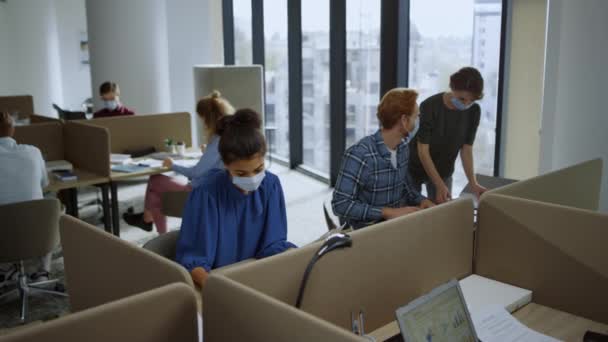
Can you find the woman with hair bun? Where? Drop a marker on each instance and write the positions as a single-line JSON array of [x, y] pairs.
[[211, 109], [238, 212]]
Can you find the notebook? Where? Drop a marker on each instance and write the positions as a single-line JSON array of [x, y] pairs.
[[480, 292]]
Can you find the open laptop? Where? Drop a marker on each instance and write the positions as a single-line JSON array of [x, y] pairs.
[[439, 316]]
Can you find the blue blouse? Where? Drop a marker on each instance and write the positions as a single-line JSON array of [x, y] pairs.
[[210, 160], [222, 226]]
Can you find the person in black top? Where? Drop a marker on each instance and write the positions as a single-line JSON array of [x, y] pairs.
[[448, 124]]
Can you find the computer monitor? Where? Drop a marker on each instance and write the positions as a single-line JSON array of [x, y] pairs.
[[439, 316]]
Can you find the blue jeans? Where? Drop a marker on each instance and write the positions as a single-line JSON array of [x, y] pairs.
[[431, 191]]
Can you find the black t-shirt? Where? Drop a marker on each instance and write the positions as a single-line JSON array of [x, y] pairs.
[[445, 131]]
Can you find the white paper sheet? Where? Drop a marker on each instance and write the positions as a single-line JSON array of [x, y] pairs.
[[497, 325], [149, 162]]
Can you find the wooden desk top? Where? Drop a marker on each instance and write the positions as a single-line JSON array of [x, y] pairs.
[[551, 322], [115, 176], [85, 178]]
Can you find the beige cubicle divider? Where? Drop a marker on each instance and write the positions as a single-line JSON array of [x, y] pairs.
[[87, 147], [388, 265], [134, 132], [558, 252], [100, 267], [36, 119], [164, 314], [575, 186], [48, 137], [22, 104]]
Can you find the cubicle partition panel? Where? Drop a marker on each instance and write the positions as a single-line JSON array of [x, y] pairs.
[[388, 265], [48, 137], [22, 104], [557, 252], [159, 315], [140, 131], [576, 186], [100, 267], [36, 119], [87, 147]]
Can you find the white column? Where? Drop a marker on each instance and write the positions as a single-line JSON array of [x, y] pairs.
[[31, 53], [128, 45]]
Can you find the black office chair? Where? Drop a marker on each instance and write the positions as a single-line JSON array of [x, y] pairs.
[[68, 115]]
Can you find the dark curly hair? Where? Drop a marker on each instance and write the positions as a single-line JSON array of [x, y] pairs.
[[240, 134]]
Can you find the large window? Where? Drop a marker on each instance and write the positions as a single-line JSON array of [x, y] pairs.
[[362, 68], [304, 124], [445, 36], [315, 84], [277, 77], [242, 32]]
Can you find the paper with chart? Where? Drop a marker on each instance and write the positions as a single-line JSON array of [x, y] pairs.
[[497, 325], [442, 319]]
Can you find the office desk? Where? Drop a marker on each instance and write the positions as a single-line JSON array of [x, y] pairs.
[[85, 178], [116, 177], [551, 322]]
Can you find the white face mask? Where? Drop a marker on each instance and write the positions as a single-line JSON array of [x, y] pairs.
[[249, 183], [111, 104]]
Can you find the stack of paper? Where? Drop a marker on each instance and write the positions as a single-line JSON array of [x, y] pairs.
[[480, 293], [117, 158], [58, 165], [497, 325]]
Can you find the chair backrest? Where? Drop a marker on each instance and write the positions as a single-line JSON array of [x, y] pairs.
[[173, 202], [100, 267], [329, 219], [164, 244], [29, 229], [164, 314], [69, 115]]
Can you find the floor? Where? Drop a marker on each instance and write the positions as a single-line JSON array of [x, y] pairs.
[[304, 197]]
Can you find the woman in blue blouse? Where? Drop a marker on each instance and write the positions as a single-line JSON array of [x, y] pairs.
[[211, 109], [238, 212]]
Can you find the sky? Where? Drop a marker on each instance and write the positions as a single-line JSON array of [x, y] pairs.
[[433, 18]]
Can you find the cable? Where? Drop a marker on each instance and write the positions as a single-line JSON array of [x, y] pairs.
[[333, 242]]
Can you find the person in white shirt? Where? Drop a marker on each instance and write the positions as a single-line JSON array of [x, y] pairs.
[[22, 177]]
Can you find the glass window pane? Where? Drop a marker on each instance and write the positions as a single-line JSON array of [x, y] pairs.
[[448, 35], [277, 77], [362, 68], [315, 84], [243, 51]]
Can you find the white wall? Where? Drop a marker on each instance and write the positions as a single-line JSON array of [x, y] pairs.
[[524, 88], [76, 77], [575, 115], [39, 52], [128, 44]]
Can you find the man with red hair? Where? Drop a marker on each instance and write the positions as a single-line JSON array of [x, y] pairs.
[[374, 183]]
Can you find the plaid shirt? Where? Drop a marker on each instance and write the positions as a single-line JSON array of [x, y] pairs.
[[368, 182]]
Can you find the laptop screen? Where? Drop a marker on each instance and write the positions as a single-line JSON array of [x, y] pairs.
[[439, 316]]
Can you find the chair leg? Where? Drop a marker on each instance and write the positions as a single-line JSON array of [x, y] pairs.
[[56, 293], [46, 282], [23, 291], [9, 293]]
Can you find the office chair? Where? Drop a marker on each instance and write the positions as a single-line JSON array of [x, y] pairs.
[[29, 230]]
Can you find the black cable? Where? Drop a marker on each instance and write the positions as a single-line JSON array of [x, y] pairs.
[[305, 279], [331, 243]]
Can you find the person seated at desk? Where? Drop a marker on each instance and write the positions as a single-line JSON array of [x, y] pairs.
[[210, 109], [22, 177], [373, 183], [448, 125], [110, 95], [236, 213]]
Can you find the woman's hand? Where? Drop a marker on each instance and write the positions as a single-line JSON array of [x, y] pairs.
[[443, 193], [199, 276], [168, 163], [203, 148]]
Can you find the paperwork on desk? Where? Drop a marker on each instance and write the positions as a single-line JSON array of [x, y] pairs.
[[497, 325], [118, 158], [480, 293]]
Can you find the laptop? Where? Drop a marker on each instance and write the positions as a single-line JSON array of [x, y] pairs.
[[439, 316]]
